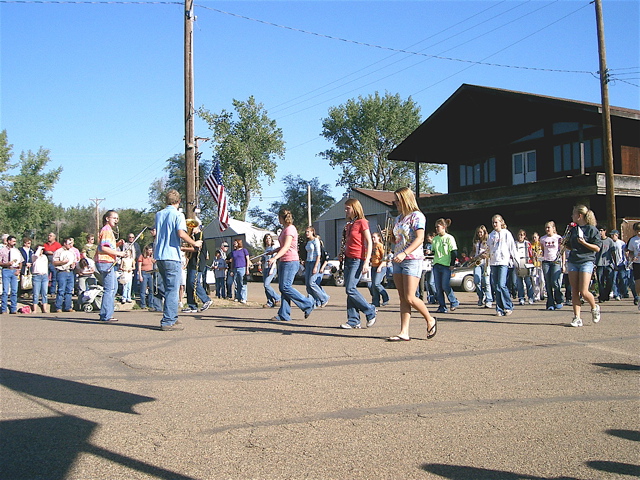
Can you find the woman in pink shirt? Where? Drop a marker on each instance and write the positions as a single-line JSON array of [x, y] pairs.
[[288, 266]]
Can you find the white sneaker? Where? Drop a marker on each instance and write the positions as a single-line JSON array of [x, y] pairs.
[[577, 322], [348, 326], [595, 314], [206, 305], [371, 322], [531, 301]]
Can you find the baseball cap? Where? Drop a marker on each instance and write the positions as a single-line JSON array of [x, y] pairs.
[[614, 232], [224, 244]]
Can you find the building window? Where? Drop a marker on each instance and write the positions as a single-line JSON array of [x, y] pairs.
[[478, 173], [524, 167], [566, 157]]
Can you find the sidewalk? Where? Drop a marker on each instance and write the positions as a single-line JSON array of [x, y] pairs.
[[237, 396]]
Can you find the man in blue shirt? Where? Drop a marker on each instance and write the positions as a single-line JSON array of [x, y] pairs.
[[171, 230]]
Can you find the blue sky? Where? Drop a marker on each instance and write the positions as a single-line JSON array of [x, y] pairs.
[[101, 85]]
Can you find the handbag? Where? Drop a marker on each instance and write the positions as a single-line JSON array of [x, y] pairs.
[[26, 281]]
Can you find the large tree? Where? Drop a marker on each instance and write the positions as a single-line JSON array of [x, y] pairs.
[[246, 144], [364, 131], [26, 205], [175, 178], [295, 198]]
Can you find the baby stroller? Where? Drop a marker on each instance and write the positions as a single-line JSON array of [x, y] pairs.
[[91, 298]]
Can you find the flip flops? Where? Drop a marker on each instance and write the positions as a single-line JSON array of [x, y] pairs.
[[398, 338]]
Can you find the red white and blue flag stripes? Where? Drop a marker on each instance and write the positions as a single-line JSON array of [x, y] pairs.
[[216, 188]]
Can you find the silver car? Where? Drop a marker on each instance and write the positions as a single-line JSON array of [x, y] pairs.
[[462, 277]]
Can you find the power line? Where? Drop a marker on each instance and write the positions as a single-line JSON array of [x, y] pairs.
[[306, 32]]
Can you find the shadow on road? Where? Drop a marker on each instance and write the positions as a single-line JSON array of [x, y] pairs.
[[47, 447]]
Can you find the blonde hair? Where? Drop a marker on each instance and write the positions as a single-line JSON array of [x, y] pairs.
[[481, 234], [589, 216], [499, 217], [357, 207], [172, 197], [406, 201], [551, 224]]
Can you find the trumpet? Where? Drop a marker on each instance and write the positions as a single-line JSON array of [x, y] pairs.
[[564, 242]]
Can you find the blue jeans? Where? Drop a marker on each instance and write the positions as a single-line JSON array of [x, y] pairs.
[[194, 285], [553, 281], [286, 275], [241, 287], [483, 284], [9, 283], [619, 282], [442, 277], [110, 285], [376, 288], [170, 273], [356, 303], [65, 290], [272, 296], [221, 287], [40, 288], [500, 289], [311, 281], [521, 282], [54, 274], [146, 290]]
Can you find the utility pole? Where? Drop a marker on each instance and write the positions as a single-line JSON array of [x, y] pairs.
[[97, 201], [606, 121], [196, 168], [189, 136]]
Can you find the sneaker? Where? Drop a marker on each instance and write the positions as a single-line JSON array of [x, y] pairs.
[[551, 308], [384, 304], [206, 305], [172, 328], [189, 310], [267, 305], [499, 314], [531, 301], [577, 322], [595, 314], [488, 305], [111, 320], [348, 326], [522, 301], [508, 312], [371, 321], [617, 298], [244, 302], [559, 306], [322, 305]]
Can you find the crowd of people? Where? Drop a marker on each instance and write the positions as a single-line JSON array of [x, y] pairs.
[[508, 270]]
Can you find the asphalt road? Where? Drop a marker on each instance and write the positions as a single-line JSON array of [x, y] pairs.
[[237, 396]]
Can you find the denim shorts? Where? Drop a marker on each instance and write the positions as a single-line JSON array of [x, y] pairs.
[[412, 268], [586, 267]]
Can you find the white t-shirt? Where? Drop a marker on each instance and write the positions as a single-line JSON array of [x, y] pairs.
[[634, 248]]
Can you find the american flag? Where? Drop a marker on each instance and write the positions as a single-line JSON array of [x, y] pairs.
[[216, 188]]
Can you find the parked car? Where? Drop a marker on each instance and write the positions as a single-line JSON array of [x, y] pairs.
[[462, 277]]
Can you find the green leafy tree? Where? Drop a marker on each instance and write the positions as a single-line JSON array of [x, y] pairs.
[[175, 179], [246, 144], [5, 165], [364, 132], [295, 198], [29, 207]]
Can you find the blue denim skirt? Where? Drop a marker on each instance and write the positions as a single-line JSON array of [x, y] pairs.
[[412, 267]]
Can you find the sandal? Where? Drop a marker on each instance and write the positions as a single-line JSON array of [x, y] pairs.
[[397, 338], [431, 332]]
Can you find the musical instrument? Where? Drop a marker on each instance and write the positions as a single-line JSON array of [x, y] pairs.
[[565, 241], [478, 259], [192, 223], [387, 236]]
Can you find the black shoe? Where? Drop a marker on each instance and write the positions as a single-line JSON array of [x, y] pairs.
[[431, 332]]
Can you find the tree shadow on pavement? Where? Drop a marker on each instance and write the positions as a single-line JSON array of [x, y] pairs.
[[463, 472], [47, 447]]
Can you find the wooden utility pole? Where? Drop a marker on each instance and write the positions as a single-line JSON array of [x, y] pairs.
[[606, 121], [189, 136], [97, 201]]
